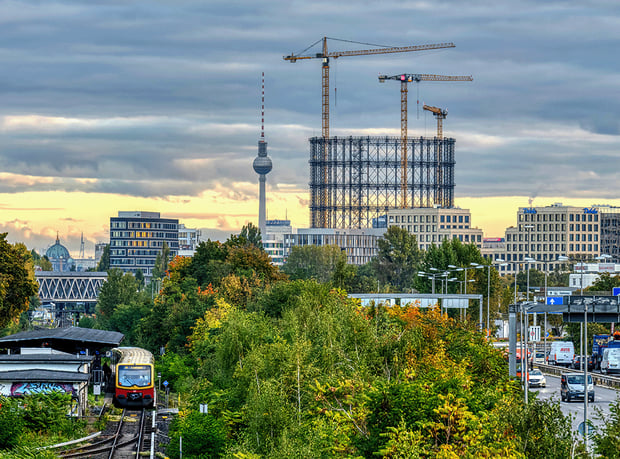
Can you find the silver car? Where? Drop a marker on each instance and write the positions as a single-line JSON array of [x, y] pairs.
[[537, 379]]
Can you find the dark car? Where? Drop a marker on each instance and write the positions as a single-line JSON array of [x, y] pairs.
[[577, 362]]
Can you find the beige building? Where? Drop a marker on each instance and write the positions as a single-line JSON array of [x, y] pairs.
[[544, 233], [433, 225]]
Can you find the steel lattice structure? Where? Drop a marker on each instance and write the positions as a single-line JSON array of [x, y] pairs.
[[70, 287], [356, 179]]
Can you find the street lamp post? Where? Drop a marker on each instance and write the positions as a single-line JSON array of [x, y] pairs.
[[584, 338], [498, 262]]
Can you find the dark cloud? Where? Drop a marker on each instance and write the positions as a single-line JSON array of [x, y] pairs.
[[158, 99]]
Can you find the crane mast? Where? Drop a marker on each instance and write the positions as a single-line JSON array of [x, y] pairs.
[[405, 79], [440, 114]]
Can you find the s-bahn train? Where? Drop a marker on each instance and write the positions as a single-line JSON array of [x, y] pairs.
[[134, 382]]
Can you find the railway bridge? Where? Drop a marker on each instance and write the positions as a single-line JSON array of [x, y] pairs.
[[69, 287]]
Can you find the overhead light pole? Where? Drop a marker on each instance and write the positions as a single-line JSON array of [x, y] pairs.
[[586, 385]]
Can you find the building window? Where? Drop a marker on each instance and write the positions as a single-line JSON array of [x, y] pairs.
[[442, 219]]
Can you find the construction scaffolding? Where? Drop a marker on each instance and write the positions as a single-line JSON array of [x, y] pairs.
[[354, 180]]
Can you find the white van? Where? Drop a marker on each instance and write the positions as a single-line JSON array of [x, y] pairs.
[[611, 360], [561, 353]]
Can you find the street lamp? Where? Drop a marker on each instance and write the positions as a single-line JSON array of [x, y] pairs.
[[585, 351], [498, 262]]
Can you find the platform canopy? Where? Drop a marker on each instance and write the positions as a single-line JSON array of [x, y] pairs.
[[72, 339]]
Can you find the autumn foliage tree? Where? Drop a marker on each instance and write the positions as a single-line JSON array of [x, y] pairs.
[[17, 283]]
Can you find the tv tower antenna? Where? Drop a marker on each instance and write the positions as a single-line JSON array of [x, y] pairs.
[[262, 165]]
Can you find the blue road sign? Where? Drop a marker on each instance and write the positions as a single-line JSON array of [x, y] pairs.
[[555, 300], [165, 383], [615, 291]]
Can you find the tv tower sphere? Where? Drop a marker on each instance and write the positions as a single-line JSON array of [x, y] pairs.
[[262, 163]]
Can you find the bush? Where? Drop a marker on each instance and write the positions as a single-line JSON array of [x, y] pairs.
[[203, 436], [11, 422]]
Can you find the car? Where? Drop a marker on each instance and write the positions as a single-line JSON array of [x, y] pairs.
[[576, 364], [572, 387], [537, 379], [539, 357]]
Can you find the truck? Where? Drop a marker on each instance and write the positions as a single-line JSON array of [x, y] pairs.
[[602, 342], [610, 362], [561, 353]]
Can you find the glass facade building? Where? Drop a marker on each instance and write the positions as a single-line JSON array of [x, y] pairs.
[[136, 238]]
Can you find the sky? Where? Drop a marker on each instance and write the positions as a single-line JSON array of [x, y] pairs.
[[155, 106]]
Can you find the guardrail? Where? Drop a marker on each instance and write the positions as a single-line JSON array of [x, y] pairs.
[[597, 378]]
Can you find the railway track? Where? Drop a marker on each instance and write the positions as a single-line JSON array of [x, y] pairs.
[[127, 439]]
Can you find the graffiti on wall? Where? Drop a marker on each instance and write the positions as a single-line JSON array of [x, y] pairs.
[[28, 388]]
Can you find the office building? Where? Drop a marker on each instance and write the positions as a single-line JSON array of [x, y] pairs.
[[273, 239], [360, 245], [136, 238], [433, 225], [189, 238], [545, 233]]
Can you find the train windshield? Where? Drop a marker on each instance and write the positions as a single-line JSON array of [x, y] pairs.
[[134, 375]]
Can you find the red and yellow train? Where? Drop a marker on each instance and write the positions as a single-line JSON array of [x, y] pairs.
[[134, 382]]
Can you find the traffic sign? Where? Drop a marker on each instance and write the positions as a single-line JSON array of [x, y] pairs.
[[166, 383], [555, 300], [615, 291], [534, 334]]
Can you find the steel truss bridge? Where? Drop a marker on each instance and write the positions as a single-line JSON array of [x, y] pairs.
[[70, 287]]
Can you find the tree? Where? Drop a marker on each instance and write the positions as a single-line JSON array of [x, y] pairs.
[[104, 262], [604, 283], [161, 262], [17, 283], [208, 265], [204, 436], [139, 279], [398, 258], [315, 262], [119, 288], [41, 261], [537, 279], [252, 235]]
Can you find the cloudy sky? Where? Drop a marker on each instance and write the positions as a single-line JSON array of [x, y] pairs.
[[155, 105]]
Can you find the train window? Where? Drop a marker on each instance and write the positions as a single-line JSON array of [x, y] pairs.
[[134, 375]]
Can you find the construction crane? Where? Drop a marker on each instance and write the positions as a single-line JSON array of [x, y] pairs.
[[440, 114], [325, 55], [405, 79]]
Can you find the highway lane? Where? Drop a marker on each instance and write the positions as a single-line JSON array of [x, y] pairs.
[[597, 411]]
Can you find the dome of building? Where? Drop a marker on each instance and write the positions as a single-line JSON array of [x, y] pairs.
[[58, 251]]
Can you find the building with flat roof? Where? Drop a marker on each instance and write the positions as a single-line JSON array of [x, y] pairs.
[[610, 231], [433, 225], [273, 239], [360, 244], [545, 233], [136, 238]]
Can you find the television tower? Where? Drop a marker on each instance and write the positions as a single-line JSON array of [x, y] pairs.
[[262, 165]]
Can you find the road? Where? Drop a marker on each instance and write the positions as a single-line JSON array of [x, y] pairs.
[[597, 411]]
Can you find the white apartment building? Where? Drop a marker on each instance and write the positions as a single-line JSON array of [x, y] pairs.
[[273, 239]]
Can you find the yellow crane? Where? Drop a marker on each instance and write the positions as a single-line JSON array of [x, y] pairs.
[[440, 114], [405, 79], [325, 55]]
